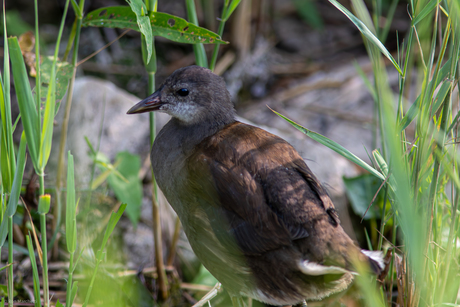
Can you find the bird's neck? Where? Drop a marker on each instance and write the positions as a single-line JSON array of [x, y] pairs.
[[187, 136]]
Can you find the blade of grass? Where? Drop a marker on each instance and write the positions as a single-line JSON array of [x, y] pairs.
[[333, 145], [200, 53], [48, 120], [425, 11], [10, 262], [367, 33], [36, 279], [71, 214], [7, 159], [71, 226], [27, 107], [114, 218], [17, 182], [227, 11]]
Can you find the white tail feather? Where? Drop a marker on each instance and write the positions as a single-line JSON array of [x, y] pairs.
[[316, 269], [377, 256]]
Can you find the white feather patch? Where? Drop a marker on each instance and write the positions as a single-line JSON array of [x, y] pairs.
[[316, 269], [377, 256]]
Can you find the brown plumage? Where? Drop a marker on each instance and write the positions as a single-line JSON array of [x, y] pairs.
[[255, 215]]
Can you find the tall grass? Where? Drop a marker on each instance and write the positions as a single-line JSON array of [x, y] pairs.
[[423, 186], [37, 117]]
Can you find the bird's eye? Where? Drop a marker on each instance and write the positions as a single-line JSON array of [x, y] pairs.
[[183, 92]]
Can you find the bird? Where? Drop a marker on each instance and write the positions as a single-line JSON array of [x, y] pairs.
[[255, 215]]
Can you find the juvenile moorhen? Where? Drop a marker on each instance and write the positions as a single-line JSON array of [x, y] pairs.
[[254, 213]]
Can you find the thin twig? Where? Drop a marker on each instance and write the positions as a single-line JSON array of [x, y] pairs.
[[375, 196], [209, 296], [104, 47]]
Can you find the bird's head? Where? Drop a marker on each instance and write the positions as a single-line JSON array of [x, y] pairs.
[[191, 94]]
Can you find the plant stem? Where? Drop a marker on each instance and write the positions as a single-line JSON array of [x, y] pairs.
[[68, 297], [383, 222], [151, 68], [10, 261], [158, 238], [57, 212], [200, 53], [220, 31], [175, 239], [90, 288], [45, 260]]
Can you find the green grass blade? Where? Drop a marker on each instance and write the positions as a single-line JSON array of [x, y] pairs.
[[7, 159], [3, 231], [48, 119], [27, 107], [114, 218], [73, 292], [70, 217], [198, 49], [334, 146], [6, 98], [231, 8], [367, 33], [36, 279], [365, 79], [413, 111], [425, 11], [17, 182], [5, 267]]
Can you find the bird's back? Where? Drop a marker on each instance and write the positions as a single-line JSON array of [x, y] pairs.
[[249, 203]]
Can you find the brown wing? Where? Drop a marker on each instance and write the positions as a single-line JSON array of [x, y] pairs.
[[262, 187]]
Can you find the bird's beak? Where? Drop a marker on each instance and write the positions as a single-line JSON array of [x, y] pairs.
[[151, 103]]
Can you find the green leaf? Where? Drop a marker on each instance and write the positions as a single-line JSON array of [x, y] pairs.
[[27, 106], [4, 267], [367, 33], [231, 8], [114, 218], [440, 96], [46, 136], [7, 159], [3, 231], [143, 22], [334, 146], [413, 110], [58, 304], [171, 27], [73, 293], [76, 8], [128, 192], [33, 263], [4, 291], [426, 10], [17, 182], [71, 214], [360, 191], [64, 71], [6, 164], [15, 23]]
